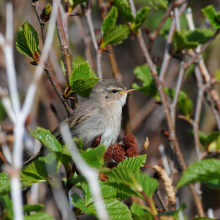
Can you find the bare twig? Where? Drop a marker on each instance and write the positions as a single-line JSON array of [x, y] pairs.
[[173, 137], [21, 114], [89, 173], [160, 198], [47, 67], [98, 52]]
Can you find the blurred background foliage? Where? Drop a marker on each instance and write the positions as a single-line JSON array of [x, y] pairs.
[[146, 116]]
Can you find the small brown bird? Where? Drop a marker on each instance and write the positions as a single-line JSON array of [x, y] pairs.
[[99, 115]]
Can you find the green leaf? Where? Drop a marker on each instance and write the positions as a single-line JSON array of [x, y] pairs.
[[110, 20], [116, 209], [7, 205], [133, 163], [180, 42], [140, 18], [124, 9], [3, 113], [204, 218], [212, 15], [77, 2], [138, 209], [94, 156], [33, 208], [82, 78], [38, 216], [27, 41], [115, 36], [149, 87], [4, 183], [184, 104], [201, 171], [158, 4], [173, 213], [47, 139], [199, 35]]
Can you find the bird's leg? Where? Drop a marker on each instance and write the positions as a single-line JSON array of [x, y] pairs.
[[96, 141]]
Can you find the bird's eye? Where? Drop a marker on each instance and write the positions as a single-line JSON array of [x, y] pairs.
[[114, 91]]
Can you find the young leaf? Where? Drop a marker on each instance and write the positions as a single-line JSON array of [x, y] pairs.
[[149, 87], [4, 183], [38, 216], [27, 41], [158, 4], [201, 171], [173, 213], [184, 104], [199, 35], [212, 15], [115, 36], [6, 202], [124, 9], [110, 20], [116, 210], [138, 209], [133, 163], [3, 113], [47, 139], [77, 2], [94, 156], [204, 218], [82, 78], [180, 42], [140, 18], [33, 208]]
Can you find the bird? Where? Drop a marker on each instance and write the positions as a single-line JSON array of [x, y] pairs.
[[99, 115]]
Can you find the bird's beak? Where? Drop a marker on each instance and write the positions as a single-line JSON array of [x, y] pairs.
[[127, 90]]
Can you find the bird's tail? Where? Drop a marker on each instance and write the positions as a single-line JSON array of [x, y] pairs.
[[34, 158]]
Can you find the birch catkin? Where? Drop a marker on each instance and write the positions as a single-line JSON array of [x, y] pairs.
[[167, 183]]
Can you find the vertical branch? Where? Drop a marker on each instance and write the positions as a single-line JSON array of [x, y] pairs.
[[173, 137], [98, 52], [89, 173], [47, 67], [22, 114]]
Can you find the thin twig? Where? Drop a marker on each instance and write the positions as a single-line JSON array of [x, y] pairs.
[[89, 173], [47, 67], [98, 52], [177, 91], [173, 137], [159, 197], [3, 159]]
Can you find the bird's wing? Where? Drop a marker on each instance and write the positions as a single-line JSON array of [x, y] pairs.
[[79, 114]]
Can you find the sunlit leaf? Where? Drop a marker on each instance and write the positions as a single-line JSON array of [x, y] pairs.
[[212, 15]]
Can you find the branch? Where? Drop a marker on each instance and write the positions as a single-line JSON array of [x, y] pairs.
[[22, 114], [173, 137], [98, 52], [47, 67], [89, 173]]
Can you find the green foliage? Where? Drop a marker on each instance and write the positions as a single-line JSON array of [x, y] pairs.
[[204, 218], [184, 104], [94, 156], [33, 208], [139, 211], [115, 36], [3, 113], [124, 9], [201, 36], [82, 78], [149, 87], [48, 9], [47, 139], [110, 20], [212, 15], [158, 4], [38, 216], [27, 41], [140, 18], [133, 163], [174, 213], [201, 171]]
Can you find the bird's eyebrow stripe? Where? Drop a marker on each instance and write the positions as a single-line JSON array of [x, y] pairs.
[[113, 87]]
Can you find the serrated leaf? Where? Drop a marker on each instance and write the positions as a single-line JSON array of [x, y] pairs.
[[110, 20], [82, 78], [124, 9], [138, 209], [4, 183], [33, 208], [133, 163], [116, 209], [212, 15], [27, 41], [201, 171], [199, 35], [184, 104], [149, 87], [140, 18], [38, 216], [47, 139], [94, 156], [180, 42], [115, 36]]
